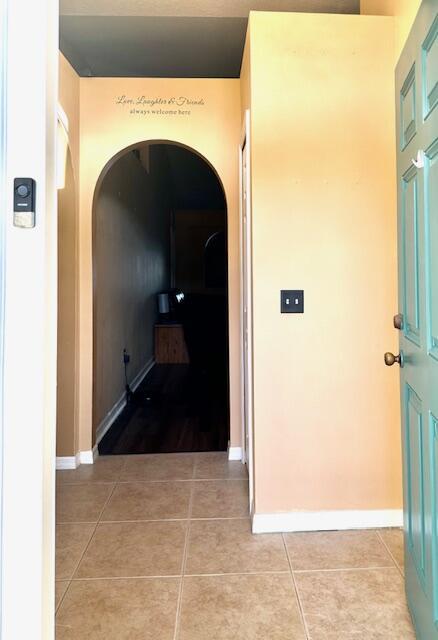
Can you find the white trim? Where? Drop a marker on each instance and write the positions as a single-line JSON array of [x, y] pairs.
[[88, 457], [118, 407], [326, 520], [141, 375], [62, 118], [30, 328], [73, 462], [246, 335], [235, 453], [67, 462], [110, 417]]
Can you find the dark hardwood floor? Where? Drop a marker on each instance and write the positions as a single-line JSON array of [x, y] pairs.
[[177, 408]]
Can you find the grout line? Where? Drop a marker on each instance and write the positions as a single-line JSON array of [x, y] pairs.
[[295, 587], [64, 522], [106, 502], [237, 573], [136, 577], [184, 561], [174, 520], [85, 550], [221, 518], [82, 554], [390, 553], [156, 520], [345, 569], [80, 483], [63, 595], [176, 576], [94, 530], [140, 481]]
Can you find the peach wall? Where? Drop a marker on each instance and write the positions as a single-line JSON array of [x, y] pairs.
[[404, 12], [213, 130], [68, 208], [324, 219], [69, 92]]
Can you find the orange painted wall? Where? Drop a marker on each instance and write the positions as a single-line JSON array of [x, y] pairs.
[[404, 12], [324, 219], [68, 211], [213, 130]]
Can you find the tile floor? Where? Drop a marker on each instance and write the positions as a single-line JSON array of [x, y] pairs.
[[159, 547]]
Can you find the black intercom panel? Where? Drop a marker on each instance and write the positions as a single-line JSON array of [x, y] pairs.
[[24, 195]]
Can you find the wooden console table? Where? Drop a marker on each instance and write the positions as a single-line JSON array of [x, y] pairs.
[[170, 345]]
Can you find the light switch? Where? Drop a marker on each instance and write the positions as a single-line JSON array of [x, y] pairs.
[[292, 301]]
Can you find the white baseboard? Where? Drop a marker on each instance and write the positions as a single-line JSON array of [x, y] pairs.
[[67, 462], [234, 453], [110, 418], [326, 520], [118, 407], [88, 457], [73, 462], [141, 375]]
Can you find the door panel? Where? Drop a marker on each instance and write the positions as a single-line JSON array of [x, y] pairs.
[[417, 169], [412, 257], [408, 108], [415, 486], [431, 203], [433, 422], [430, 66]]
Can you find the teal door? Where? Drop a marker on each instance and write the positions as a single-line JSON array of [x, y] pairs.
[[417, 171]]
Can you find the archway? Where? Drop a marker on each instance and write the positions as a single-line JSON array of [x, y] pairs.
[[156, 207]]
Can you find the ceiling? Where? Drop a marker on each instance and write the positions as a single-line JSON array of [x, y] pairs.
[[167, 38]]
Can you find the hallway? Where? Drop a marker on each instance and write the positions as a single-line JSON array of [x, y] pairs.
[[177, 408], [159, 547]]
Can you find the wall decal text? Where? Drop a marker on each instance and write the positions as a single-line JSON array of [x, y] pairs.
[[159, 106]]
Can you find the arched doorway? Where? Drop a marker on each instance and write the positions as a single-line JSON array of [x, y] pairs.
[[160, 303]]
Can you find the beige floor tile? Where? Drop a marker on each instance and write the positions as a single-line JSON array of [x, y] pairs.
[[71, 542], [393, 538], [336, 550], [134, 549], [216, 466], [355, 605], [81, 502], [173, 466], [220, 499], [228, 546], [61, 587], [104, 469], [148, 501], [257, 607], [119, 610]]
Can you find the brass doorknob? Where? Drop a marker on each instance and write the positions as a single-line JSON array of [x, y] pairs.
[[398, 321], [391, 359]]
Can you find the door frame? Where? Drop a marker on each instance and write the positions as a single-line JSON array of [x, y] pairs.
[[30, 319], [3, 80], [246, 329]]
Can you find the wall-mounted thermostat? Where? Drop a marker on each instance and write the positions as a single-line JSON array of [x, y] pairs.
[[24, 202], [292, 301]]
